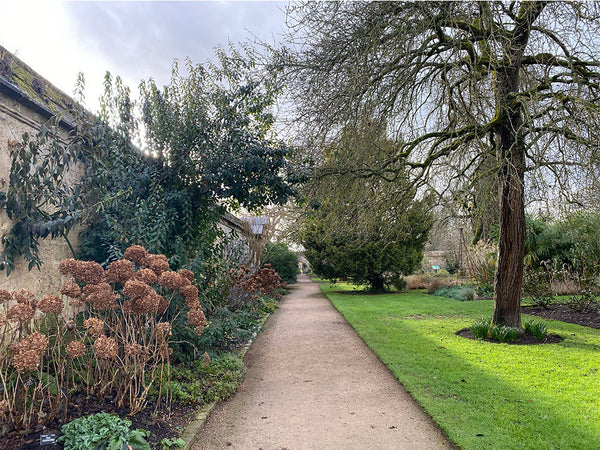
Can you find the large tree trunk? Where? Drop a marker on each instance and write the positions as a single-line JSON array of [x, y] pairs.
[[510, 153]]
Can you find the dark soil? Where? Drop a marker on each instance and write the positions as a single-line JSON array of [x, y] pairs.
[[163, 425], [523, 339], [565, 314]]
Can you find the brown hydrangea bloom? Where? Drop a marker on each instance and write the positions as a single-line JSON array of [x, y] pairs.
[[186, 274], [101, 296], [71, 289], [67, 266], [206, 359], [106, 348], [193, 303], [196, 317], [172, 280], [148, 304], [3, 406], [158, 263], [2, 319], [88, 272], [20, 312], [128, 307], [25, 297], [37, 341], [94, 326], [163, 330], [136, 254], [133, 350], [136, 289], [119, 271], [199, 330], [162, 305], [147, 276], [189, 291], [5, 296], [26, 360], [51, 304], [75, 349]]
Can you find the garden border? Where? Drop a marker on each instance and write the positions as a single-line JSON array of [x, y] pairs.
[[195, 427]]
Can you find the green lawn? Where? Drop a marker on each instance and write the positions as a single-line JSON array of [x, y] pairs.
[[484, 395]]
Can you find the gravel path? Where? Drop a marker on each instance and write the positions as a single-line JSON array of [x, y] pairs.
[[311, 383]]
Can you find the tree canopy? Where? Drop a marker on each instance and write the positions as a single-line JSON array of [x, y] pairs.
[[468, 90]]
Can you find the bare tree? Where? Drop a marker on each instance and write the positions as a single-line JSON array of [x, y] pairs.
[[460, 84]]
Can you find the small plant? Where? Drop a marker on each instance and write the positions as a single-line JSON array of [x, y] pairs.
[[168, 443], [102, 430], [457, 292], [481, 328], [536, 328], [502, 333]]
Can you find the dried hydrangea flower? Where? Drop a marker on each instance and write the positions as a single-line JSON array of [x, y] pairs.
[[193, 304], [3, 406], [71, 289], [196, 317], [88, 272], [172, 280], [163, 330], [51, 304], [199, 330], [136, 289], [136, 254], [37, 341], [25, 297], [148, 304], [147, 276], [205, 359], [5, 296], [26, 360], [158, 263], [20, 312], [101, 296], [134, 349], [94, 326], [119, 271], [75, 349], [189, 292], [67, 266], [186, 274], [106, 348]]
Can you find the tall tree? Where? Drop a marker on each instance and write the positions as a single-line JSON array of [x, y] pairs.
[[458, 80]]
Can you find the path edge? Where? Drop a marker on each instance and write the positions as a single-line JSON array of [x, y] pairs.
[[195, 427]]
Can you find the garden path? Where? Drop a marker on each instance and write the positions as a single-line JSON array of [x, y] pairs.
[[312, 383]]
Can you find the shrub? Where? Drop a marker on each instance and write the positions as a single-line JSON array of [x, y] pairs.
[[458, 292], [104, 431], [282, 260], [481, 261], [537, 285], [536, 328], [436, 283]]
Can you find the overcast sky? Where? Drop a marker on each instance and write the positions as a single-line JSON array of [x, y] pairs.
[[136, 40]]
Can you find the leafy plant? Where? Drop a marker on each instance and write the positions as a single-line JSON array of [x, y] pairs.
[[503, 333], [458, 292], [537, 285], [537, 328], [481, 328], [168, 443], [102, 430], [282, 260]]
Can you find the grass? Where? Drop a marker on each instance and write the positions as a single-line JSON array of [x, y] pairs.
[[483, 395]]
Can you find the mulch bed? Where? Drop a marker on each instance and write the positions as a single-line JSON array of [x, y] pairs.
[[523, 339], [163, 425], [552, 312], [565, 314]]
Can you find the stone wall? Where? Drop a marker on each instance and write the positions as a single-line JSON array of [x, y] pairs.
[[26, 102]]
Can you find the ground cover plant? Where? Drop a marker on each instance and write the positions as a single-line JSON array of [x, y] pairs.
[[483, 394]]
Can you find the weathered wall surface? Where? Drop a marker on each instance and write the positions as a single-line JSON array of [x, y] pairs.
[[22, 112]]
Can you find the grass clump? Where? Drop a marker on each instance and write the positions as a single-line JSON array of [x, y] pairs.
[[503, 333], [458, 292], [481, 328]]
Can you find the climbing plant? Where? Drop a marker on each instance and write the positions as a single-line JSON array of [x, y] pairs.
[[37, 200]]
